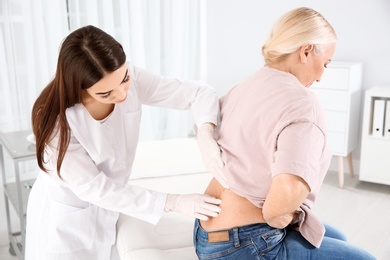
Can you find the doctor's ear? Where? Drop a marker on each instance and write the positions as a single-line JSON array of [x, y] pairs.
[[305, 51]]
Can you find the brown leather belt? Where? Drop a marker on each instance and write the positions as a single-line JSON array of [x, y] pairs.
[[218, 236]]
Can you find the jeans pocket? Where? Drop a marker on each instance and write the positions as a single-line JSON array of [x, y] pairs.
[[273, 238]]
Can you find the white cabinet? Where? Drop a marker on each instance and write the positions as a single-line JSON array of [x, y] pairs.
[[375, 148], [339, 93]]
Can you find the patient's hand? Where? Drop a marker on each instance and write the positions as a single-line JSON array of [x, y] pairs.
[[281, 221], [286, 194], [284, 220]]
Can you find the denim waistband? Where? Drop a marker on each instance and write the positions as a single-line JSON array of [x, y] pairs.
[[234, 234]]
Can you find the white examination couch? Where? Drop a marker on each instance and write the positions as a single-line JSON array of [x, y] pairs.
[[173, 166]]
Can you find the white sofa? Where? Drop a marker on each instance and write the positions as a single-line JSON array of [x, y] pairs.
[[173, 166]]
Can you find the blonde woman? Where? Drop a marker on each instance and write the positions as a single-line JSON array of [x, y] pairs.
[[273, 142]]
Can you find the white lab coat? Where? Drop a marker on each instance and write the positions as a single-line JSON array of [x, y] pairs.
[[75, 218]]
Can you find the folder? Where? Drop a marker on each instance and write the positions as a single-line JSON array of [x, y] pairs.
[[378, 118], [387, 119]]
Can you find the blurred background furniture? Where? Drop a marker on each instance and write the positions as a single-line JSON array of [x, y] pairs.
[[339, 93], [14, 146], [375, 149]]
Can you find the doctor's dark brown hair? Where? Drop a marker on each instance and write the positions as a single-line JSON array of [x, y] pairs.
[[86, 55]]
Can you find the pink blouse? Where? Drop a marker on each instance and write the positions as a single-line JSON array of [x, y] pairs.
[[272, 124]]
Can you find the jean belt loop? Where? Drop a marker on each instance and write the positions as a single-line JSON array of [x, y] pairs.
[[235, 237]]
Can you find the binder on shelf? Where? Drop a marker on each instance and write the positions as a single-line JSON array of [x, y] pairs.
[[387, 119], [378, 118]]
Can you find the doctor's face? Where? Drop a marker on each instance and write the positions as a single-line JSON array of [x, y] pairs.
[[113, 87]]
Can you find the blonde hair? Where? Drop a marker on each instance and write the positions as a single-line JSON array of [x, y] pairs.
[[294, 29]]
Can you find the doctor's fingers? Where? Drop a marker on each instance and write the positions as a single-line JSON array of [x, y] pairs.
[[208, 209], [201, 216], [206, 213], [209, 200], [214, 160]]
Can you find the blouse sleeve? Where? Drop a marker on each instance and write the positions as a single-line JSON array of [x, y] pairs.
[[300, 147], [82, 177], [173, 93]]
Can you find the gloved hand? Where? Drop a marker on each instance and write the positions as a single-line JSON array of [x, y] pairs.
[[193, 205], [211, 154]]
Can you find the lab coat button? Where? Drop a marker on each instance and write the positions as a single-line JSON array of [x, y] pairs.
[[115, 147]]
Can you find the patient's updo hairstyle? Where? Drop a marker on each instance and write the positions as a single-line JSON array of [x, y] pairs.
[[294, 29]]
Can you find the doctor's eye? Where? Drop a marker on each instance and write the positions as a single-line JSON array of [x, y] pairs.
[[106, 95], [126, 79]]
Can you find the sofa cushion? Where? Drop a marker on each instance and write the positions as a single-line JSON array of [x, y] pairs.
[[170, 239], [185, 253], [166, 158]]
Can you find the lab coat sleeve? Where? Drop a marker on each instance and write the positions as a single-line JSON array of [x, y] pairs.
[[80, 174], [156, 90]]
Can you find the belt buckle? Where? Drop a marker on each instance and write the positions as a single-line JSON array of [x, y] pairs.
[[218, 236]]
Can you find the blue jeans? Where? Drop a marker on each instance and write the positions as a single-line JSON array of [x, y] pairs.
[[260, 241]]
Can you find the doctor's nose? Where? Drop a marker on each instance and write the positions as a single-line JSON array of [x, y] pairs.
[[122, 93]]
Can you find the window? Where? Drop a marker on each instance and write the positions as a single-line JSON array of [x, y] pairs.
[[161, 36]]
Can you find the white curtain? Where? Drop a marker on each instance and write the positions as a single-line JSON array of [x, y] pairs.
[[31, 32], [160, 35]]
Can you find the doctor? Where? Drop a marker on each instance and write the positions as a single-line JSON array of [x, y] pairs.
[[86, 122]]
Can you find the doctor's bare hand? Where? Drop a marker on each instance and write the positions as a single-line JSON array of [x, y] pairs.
[[193, 205]]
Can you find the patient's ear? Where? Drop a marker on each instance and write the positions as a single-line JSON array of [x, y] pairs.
[[305, 51]]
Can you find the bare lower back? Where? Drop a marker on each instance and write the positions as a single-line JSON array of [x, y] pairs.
[[236, 210]]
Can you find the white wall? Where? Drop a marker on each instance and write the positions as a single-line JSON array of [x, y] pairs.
[[237, 30]]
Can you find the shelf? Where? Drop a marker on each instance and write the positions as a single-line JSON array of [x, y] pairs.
[[19, 149], [10, 190], [374, 165], [17, 145]]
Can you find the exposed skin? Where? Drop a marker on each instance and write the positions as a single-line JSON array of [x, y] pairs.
[[101, 97], [287, 191]]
